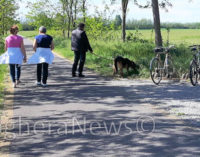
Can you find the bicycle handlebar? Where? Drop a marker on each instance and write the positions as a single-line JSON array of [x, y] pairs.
[[163, 49], [168, 48], [171, 47]]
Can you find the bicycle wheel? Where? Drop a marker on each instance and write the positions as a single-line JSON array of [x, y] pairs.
[[194, 75], [156, 71]]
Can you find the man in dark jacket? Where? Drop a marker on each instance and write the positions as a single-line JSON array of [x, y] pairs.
[[80, 45]]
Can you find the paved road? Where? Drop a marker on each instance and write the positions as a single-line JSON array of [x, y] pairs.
[[72, 117]]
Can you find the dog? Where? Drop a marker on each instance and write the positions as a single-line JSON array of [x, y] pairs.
[[121, 63]]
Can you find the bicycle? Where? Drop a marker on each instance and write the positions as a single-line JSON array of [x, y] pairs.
[[195, 65], [160, 69]]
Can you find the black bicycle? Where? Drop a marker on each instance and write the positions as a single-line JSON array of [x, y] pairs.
[[195, 65]]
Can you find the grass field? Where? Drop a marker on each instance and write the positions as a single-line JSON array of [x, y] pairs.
[[176, 36], [141, 53]]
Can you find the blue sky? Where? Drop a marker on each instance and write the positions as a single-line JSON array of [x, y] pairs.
[[182, 10]]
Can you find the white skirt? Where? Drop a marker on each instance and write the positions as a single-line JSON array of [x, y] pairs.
[[12, 56], [42, 55]]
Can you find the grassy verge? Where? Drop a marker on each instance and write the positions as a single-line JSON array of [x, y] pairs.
[[140, 52], [3, 72]]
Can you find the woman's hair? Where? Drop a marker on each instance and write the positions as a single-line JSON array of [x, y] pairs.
[[14, 29]]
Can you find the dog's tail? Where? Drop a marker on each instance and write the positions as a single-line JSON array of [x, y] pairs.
[[116, 67]]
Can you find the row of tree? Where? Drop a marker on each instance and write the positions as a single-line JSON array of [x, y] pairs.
[[130, 24], [64, 14], [148, 24]]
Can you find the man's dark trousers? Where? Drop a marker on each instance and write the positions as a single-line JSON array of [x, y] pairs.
[[78, 56]]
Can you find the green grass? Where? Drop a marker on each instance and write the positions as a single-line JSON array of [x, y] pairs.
[[3, 73], [28, 34], [176, 36], [141, 53]]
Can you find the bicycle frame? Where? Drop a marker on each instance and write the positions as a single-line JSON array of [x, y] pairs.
[[160, 68], [166, 61], [196, 59]]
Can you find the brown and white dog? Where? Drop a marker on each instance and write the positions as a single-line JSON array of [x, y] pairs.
[[121, 63]]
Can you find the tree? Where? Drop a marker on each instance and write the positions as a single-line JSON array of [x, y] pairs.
[[156, 16], [67, 9], [7, 15], [118, 21], [70, 15], [75, 13], [40, 16], [124, 11], [124, 4], [84, 10], [62, 17]]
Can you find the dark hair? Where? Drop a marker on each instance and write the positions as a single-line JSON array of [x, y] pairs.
[[14, 29], [81, 25]]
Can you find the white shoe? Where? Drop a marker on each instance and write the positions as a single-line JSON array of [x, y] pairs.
[[14, 85], [38, 83], [44, 85]]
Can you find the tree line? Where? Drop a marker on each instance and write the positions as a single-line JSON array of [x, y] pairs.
[[63, 15], [148, 24], [130, 24]]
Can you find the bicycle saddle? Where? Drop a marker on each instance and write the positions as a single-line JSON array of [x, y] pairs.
[[193, 49], [159, 49]]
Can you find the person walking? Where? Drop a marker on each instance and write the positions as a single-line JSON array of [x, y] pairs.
[[43, 56], [80, 45], [15, 54]]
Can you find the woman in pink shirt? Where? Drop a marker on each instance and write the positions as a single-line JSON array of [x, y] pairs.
[[14, 55]]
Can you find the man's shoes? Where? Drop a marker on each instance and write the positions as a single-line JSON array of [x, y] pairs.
[[74, 75], [81, 75]]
